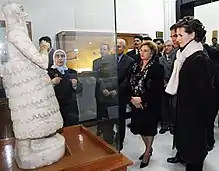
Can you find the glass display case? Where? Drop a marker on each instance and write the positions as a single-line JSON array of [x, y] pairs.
[[80, 43], [83, 33]]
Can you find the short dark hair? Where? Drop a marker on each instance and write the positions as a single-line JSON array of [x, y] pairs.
[[47, 39], [214, 38], [192, 25], [147, 38], [161, 40], [173, 27], [138, 37], [105, 44]]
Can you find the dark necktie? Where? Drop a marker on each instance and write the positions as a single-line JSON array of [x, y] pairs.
[[117, 59]]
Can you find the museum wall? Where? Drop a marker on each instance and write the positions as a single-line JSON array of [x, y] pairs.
[[53, 16], [140, 16], [132, 16], [207, 13], [48, 17]]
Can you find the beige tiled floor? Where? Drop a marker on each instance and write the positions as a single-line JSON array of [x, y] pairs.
[[133, 148]]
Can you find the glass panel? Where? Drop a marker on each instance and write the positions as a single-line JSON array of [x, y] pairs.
[[87, 35], [3, 53], [90, 50]]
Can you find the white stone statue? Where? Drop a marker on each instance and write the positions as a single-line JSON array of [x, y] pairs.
[[34, 108]]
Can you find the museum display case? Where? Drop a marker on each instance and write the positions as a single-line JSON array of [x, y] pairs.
[[92, 133], [83, 52]]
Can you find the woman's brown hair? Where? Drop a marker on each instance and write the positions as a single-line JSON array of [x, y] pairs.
[[152, 46]]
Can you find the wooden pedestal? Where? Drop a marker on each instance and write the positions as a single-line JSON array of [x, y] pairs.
[[84, 152]]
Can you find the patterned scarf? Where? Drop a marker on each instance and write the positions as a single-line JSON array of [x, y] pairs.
[[137, 80]]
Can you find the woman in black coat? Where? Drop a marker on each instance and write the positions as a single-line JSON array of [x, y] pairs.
[[66, 86], [146, 89], [192, 83]]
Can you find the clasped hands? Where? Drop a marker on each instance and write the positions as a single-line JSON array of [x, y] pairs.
[[136, 101], [106, 92]]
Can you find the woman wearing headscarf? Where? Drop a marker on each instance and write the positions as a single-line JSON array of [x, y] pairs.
[[66, 86], [192, 83], [146, 89]]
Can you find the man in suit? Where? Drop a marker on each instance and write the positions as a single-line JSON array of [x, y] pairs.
[[104, 51], [215, 45], [97, 65], [167, 120], [213, 54], [135, 52], [50, 50], [160, 43], [173, 36], [146, 39], [124, 64]]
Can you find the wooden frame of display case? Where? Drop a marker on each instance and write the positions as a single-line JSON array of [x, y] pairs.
[[84, 152]]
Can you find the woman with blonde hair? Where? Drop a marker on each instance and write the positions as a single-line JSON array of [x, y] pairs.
[[146, 88]]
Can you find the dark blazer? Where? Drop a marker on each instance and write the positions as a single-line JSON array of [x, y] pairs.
[[100, 64], [131, 53], [51, 52], [134, 56], [123, 73], [153, 88], [66, 95], [212, 53], [167, 67], [173, 54], [195, 102], [151, 98], [97, 63]]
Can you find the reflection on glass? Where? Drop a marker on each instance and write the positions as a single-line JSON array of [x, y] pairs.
[[89, 60], [92, 55]]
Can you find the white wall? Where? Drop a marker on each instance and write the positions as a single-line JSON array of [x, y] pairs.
[[208, 15], [133, 16], [140, 16], [67, 15], [95, 15], [42, 12]]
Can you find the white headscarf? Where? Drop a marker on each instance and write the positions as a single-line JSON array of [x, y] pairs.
[[62, 68], [190, 49]]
